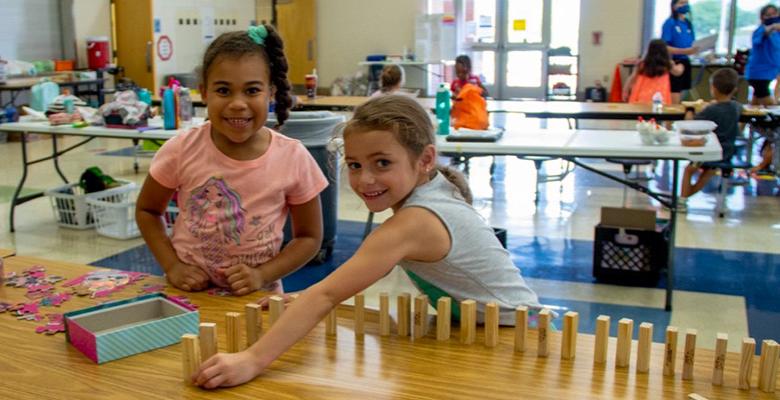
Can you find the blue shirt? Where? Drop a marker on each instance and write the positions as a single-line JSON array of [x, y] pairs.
[[677, 33], [764, 60]]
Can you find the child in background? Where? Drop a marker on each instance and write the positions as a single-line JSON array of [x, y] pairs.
[[651, 75], [725, 112], [236, 179], [391, 80], [464, 76], [444, 245]]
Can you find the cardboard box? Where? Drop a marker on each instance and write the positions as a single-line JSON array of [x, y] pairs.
[[122, 328], [629, 247]]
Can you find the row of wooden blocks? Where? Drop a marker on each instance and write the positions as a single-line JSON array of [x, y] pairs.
[[416, 324]]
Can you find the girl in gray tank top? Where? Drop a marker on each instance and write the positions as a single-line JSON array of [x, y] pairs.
[[434, 234]]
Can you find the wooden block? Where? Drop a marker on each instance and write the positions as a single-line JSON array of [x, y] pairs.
[[331, 322], [643, 347], [670, 351], [190, 347], [694, 396], [254, 322], [721, 343], [689, 354], [746, 363], [443, 318], [292, 297], [569, 340], [767, 373], [771, 379], [384, 314], [543, 345], [275, 309], [420, 316], [761, 362], [491, 324], [602, 339], [208, 340], [360, 314], [404, 314], [625, 334], [521, 327], [233, 321], [468, 321]]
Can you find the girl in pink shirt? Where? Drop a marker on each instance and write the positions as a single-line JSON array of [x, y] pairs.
[[237, 180]]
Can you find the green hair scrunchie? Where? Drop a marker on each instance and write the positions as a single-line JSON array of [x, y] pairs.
[[258, 34]]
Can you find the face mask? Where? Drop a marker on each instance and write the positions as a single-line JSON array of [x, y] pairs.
[[684, 9]]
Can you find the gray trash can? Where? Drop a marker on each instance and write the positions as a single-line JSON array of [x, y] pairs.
[[315, 129]]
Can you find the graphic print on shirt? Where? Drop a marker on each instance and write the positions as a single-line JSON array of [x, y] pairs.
[[215, 217]]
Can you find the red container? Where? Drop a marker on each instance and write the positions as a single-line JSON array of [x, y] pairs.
[[98, 52]]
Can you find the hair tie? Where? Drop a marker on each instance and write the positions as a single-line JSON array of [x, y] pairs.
[[258, 34]]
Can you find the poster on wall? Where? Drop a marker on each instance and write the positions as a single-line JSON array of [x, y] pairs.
[[207, 27]]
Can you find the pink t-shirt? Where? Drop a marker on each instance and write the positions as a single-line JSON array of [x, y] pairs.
[[233, 211]]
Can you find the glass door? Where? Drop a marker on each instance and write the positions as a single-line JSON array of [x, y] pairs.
[[508, 43]]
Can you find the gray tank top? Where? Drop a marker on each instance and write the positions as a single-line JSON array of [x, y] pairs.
[[477, 267]]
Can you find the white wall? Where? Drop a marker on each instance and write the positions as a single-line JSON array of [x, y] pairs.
[[91, 18], [620, 24], [348, 30]]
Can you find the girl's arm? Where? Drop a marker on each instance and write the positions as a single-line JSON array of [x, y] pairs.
[[307, 238], [151, 204], [412, 233], [683, 50]]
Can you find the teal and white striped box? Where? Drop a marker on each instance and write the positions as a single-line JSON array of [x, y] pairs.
[[122, 328]]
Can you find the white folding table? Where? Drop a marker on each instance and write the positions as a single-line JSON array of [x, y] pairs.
[[89, 133], [582, 143]]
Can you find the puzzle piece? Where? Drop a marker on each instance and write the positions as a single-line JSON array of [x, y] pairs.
[[221, 292], [55, 324], [151, 288]]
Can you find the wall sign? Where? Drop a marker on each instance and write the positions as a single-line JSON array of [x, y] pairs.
[[164, 48]]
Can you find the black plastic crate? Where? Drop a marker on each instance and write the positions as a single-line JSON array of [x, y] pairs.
[[630, 256]]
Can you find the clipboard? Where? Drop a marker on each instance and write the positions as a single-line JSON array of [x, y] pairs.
[[474, 135], [706, 43]]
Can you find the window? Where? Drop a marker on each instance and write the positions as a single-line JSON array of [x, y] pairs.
[[713, 17]]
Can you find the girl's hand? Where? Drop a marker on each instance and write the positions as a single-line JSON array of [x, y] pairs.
[[227, 369], [187, 277], [243, 279]]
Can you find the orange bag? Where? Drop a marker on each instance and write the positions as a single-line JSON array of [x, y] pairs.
[[646, 87], [469, 110]]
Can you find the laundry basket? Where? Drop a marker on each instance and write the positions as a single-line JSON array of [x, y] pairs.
[[116, 219], [114, 216], [69, 203]]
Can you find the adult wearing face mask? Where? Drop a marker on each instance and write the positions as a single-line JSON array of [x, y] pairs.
[[764, 62], [678, 34]]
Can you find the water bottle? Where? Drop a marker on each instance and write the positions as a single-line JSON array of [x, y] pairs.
[[185, 107], [658, 102], [443, 109], [169, 109]]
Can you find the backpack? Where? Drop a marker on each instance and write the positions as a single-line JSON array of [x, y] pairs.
[[43, 94], [94, 180], [469, 110]]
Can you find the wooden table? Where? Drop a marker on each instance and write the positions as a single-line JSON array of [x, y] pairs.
[[4, 253], [36, 366]]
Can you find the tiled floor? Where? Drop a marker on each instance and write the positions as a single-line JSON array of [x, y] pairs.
[[728, 270]]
